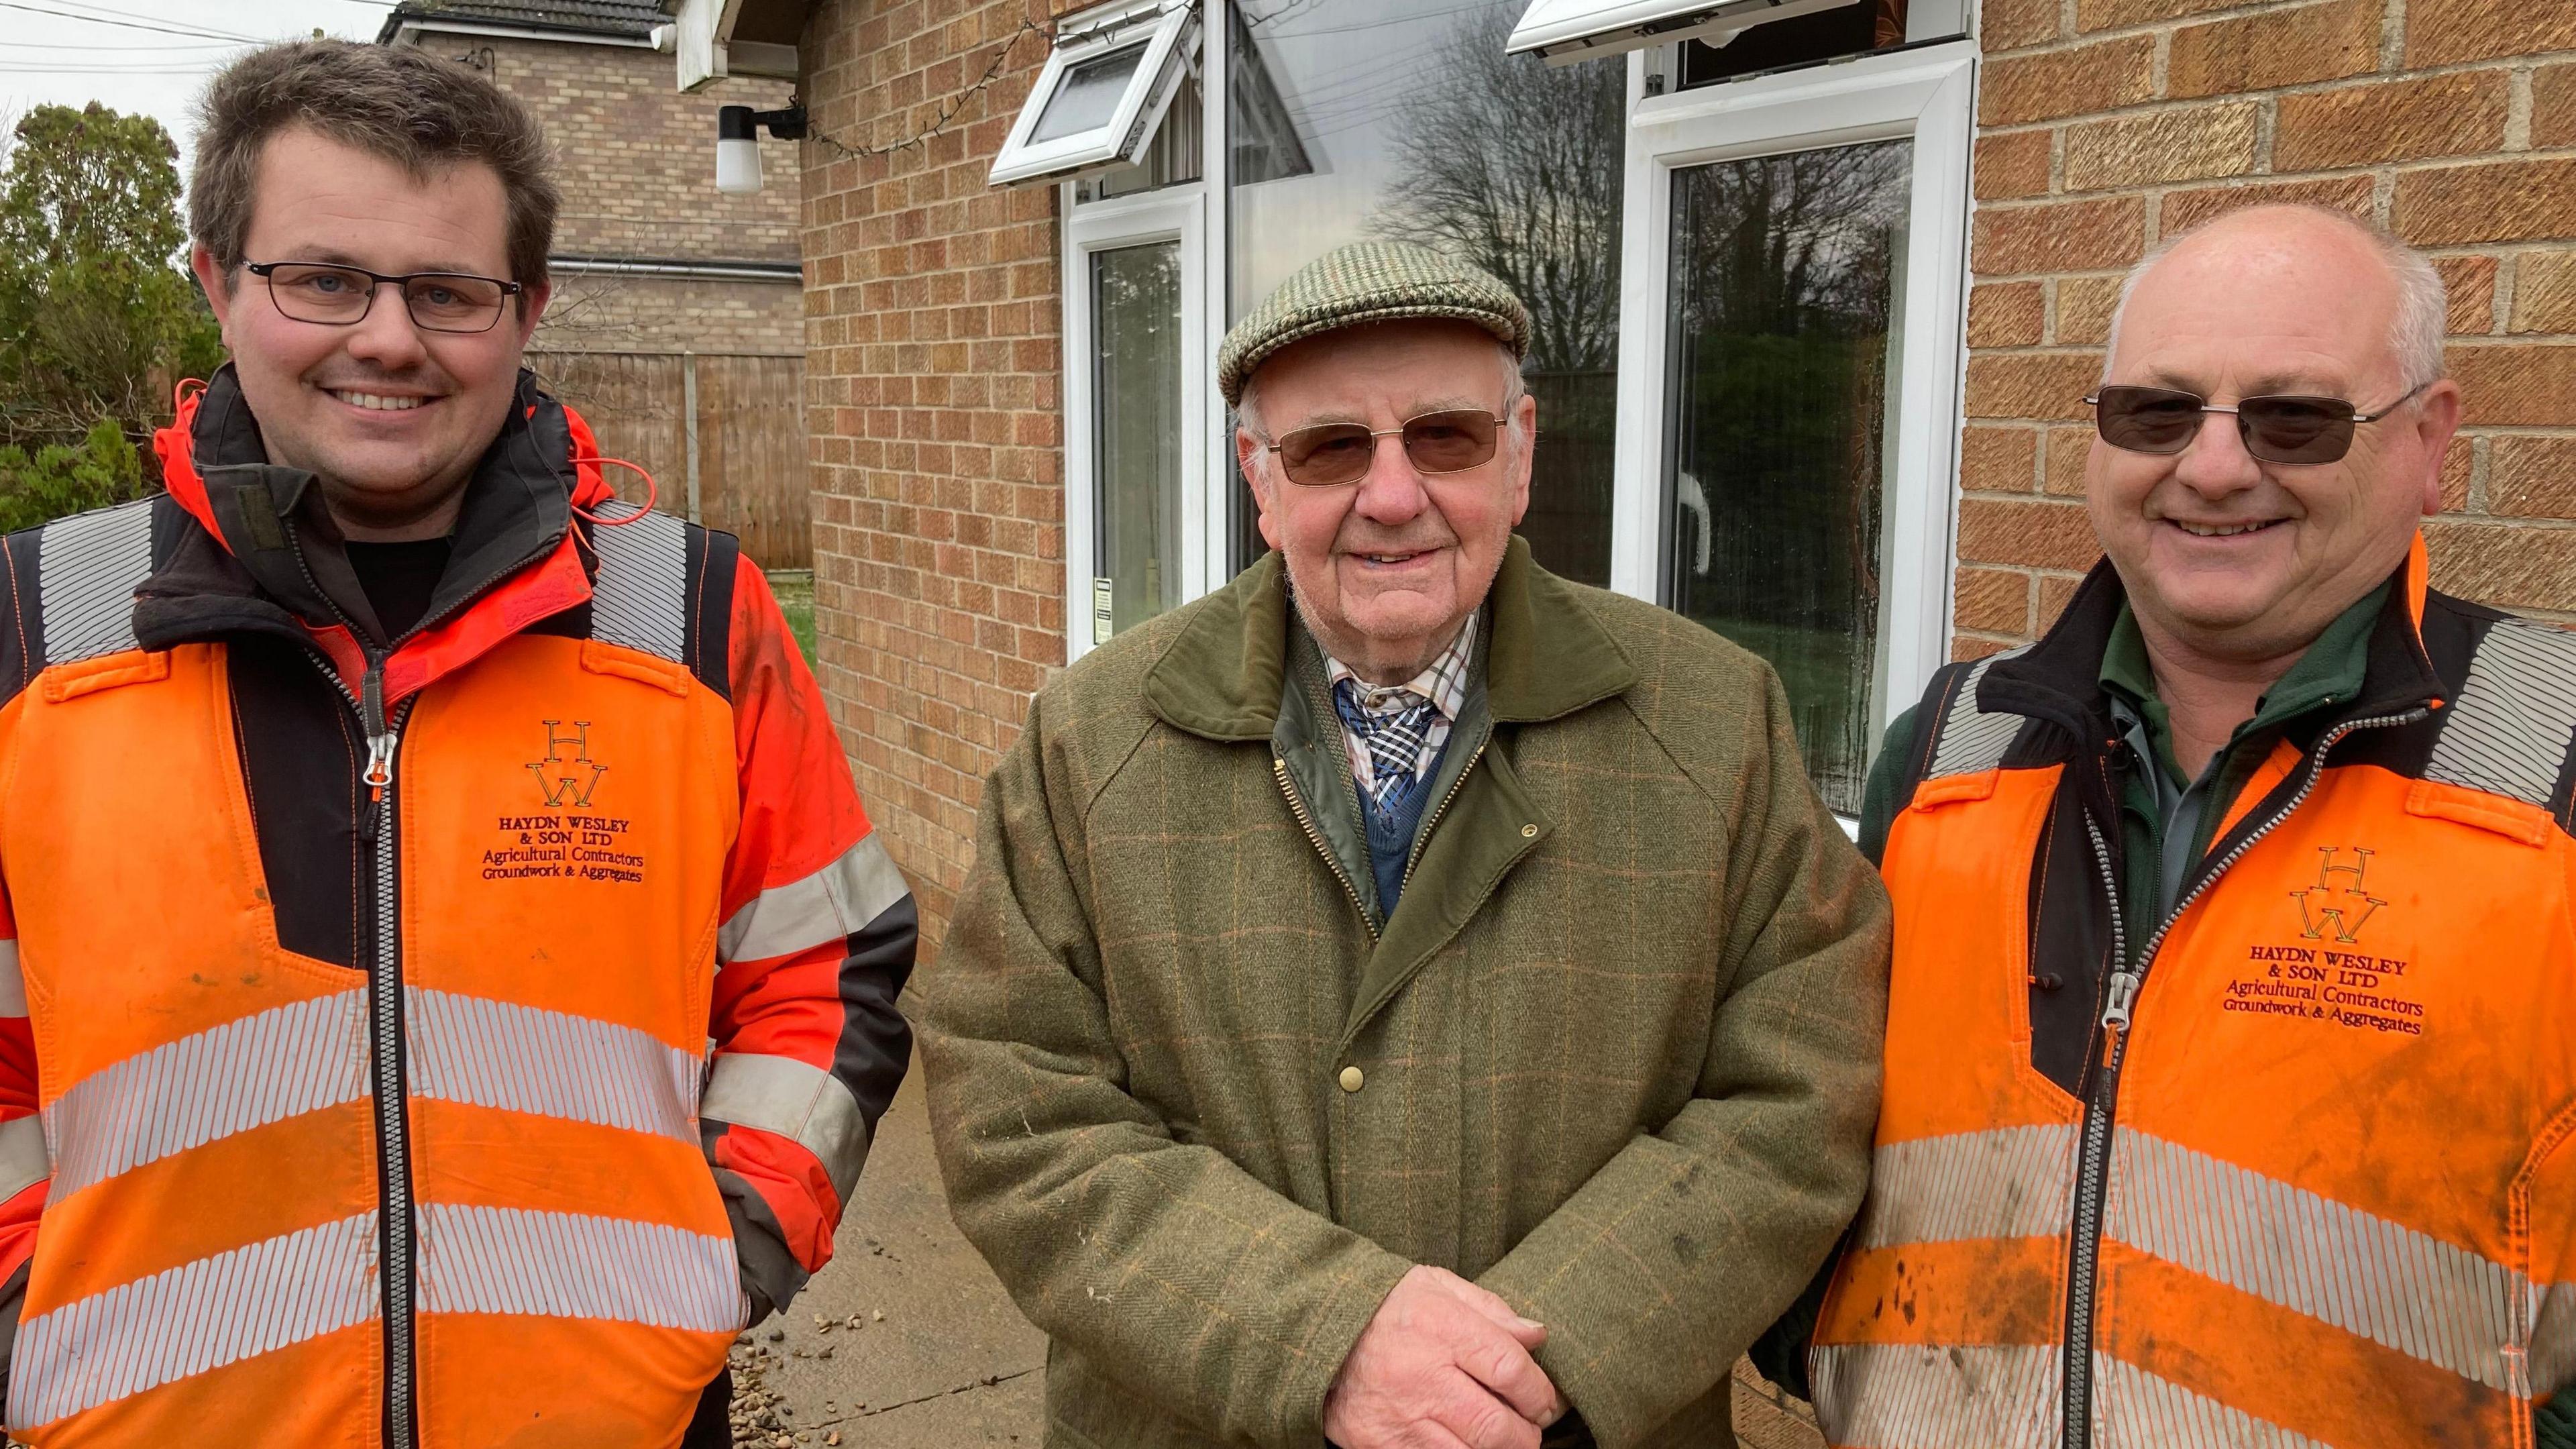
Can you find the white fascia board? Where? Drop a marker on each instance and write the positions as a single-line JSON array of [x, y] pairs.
[[1566, 31], [411, 32], [699, 41]]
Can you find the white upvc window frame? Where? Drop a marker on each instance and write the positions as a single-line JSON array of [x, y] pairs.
[[1168, 29], [1175, 214], [1924, 94], [1570, 32]]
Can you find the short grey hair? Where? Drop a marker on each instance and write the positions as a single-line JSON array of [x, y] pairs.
[[2423, 303], [1246, 408]]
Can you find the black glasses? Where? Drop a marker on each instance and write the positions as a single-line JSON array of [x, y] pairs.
[[1450, 441], [2275, 429], [338, 296]]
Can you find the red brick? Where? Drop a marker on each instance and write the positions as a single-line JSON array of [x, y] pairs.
[[2532, 477], [2508, 565], [2446, 32], [2012, 165], [2458, 463], [1997, 459], [2184, 210], [2054, 592], [2005, 314], [2120, 14], [2009, 24], [2084, 308], [2070, 82], [2508, 385], [2187, 144], [2553, 106], [1994, 600], [2040, 386], [2544, 292], [2274, 48], [2047, 535], [2470, 284], [2492, 201], [2406, 120], [1965, 647], [2068, 448], [2059, 236]]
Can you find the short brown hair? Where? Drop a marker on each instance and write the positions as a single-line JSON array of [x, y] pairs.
[[414, 109]]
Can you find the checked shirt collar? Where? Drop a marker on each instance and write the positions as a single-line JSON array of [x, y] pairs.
[[1393, 732]]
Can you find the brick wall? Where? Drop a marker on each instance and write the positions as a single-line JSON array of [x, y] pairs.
[[599, 313], [638, 157], [933, 416], [2106, 124]]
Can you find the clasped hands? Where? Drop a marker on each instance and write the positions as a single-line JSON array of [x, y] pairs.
[[1443, 1365]]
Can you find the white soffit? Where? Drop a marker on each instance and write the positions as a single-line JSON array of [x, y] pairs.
[[1566, 31]]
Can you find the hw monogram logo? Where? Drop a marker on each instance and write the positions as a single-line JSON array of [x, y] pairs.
[[567, 775], [2341, 904]]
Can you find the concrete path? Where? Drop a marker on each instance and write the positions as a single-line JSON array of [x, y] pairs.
[[917, 1346]]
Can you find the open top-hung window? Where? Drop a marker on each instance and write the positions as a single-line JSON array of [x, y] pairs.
[[1566, 31], [1103, 92]]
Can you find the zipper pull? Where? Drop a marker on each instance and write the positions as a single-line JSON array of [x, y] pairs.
[[379, 775], [2124, 992]]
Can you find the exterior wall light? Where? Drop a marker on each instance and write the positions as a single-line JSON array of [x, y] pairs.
[[738, 142]]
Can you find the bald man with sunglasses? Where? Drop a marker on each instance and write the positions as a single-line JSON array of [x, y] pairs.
[[1403, 999], [2228, 1077]]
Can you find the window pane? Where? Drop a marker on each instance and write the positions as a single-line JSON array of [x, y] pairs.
[[1406, 120], [1088, 95], [1136, 331], [1171, 158], [1786, 285], [1854, 29]]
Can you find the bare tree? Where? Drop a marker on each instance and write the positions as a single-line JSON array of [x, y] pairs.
[[1515, 166]]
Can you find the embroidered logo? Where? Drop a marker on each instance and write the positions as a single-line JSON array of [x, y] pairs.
[[567, 776], [2337, 900]]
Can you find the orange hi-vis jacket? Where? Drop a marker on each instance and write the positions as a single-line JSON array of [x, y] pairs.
[[448, 1040], [2311, 1179]]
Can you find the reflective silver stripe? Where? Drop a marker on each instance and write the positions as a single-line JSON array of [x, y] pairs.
[[803, 1103], [2553, 1338], [566, 1265], [192, 1318], [246, 1073], [550, 1063], [829, 905], [2134, 1409], [1914, 1396], [88, 566], [2511, 727], [22, 1155], [640, 598], [13, 982], [2310, 1254], [1972, 739], [2013, 1182]]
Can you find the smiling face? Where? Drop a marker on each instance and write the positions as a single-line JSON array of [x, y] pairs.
[[390, 417], [1388, 567], [2225, 556]]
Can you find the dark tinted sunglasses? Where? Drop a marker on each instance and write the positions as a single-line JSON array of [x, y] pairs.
[[2275, 429], [1443, 442]]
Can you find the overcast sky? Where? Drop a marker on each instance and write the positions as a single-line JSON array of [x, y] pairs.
[[122, 52]]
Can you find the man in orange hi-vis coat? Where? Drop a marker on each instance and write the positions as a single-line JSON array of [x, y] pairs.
[[2229, 1078], [447, 980]]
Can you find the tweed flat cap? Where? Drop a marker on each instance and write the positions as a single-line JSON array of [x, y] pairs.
[[1370, 281]]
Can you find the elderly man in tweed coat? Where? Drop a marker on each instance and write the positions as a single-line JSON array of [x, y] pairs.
[[1404, 998]]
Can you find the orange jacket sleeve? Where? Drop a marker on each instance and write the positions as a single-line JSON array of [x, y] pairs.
[[818, 938]]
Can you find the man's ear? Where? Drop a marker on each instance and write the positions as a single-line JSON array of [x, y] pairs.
[[1523, 452], [1247, 459], [2437, 419], [532, 306], [217, 281]]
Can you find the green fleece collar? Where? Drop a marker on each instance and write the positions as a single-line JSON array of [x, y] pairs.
[[1220, 677]]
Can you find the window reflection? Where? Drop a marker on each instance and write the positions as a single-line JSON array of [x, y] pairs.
[[1138, 431], [1406, 120], [1786, 280]]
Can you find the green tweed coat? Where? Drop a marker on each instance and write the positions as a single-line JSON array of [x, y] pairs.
[[1617, 1051]]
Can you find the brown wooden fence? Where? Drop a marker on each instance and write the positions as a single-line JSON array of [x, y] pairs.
[[749, 477]]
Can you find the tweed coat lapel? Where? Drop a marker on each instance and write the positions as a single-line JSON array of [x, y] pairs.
[[1221, 679]]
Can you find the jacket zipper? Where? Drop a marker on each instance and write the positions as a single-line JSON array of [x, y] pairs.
[[1422, 839], [1287, 787], [2094, 1170]]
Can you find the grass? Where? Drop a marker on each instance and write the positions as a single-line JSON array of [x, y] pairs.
[[795, 591]]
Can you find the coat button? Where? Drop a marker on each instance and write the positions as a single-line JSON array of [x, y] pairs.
[[1353, 1079], [1529, 832]]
